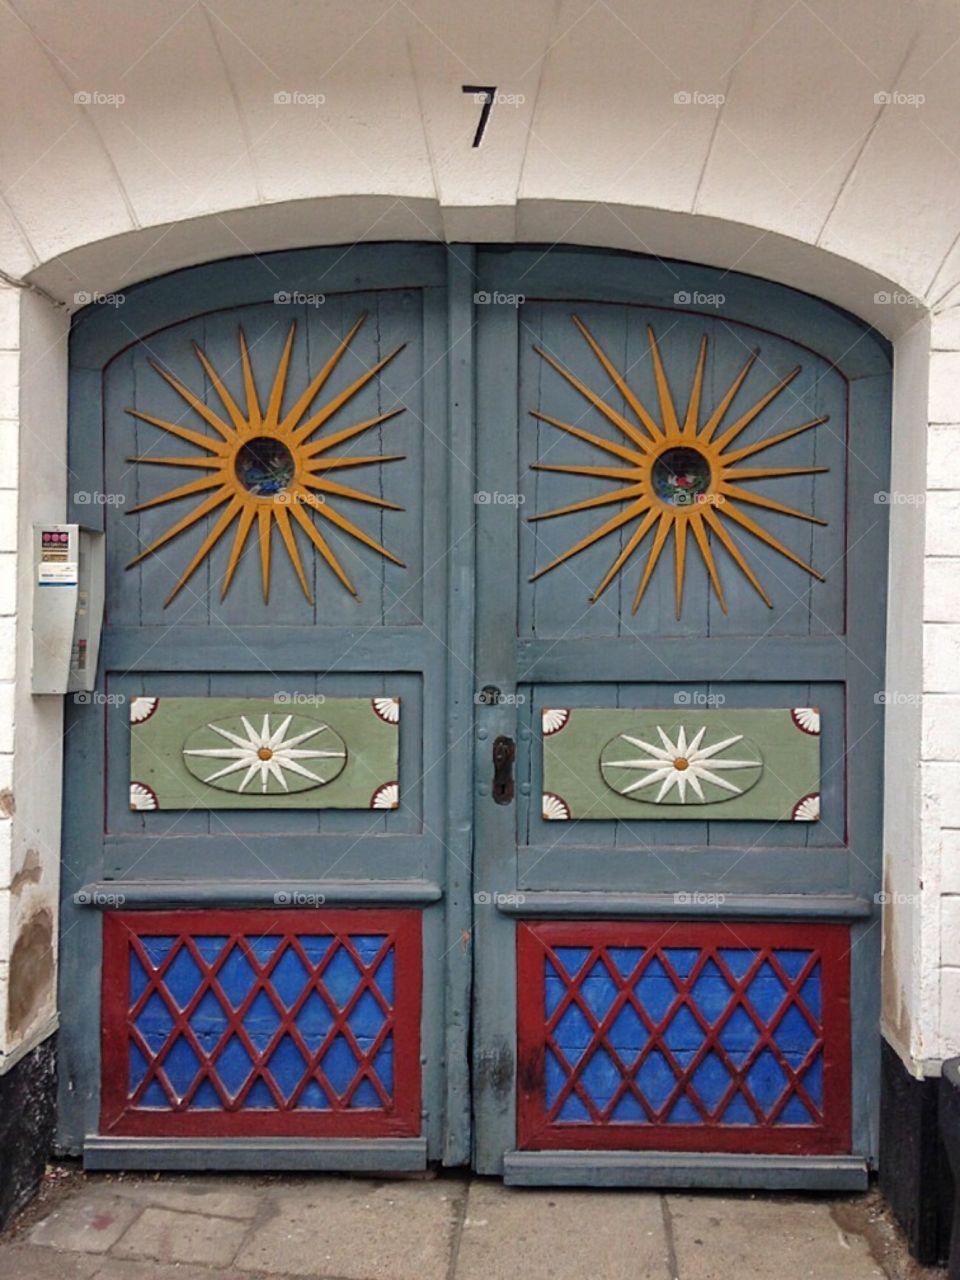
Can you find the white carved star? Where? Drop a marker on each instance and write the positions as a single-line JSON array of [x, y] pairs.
[[675, 764], [267, 753]]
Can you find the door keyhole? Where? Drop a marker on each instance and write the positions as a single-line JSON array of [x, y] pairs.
[[504, 751]]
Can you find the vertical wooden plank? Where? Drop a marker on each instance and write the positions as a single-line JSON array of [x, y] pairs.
[[495, 825], [458, 475]]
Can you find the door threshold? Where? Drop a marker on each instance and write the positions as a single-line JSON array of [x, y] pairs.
[[684, 1169], [334, 1155]]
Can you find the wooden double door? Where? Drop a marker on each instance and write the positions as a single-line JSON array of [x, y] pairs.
[[485, 762]]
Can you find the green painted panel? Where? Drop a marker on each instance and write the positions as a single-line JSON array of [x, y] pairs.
[[611, 762], [262, 753]]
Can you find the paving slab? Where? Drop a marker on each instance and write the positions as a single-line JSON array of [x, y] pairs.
[[167, 1236], [125, 1269], [92, 1222], [546, 1235], [19, 1263], [740, 1238], [358, 1230], [192, 1196]]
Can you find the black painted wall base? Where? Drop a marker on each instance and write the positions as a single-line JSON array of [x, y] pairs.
[[28, 1098], [914, 1175]]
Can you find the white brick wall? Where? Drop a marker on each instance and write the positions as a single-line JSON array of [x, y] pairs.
[[9, 432], [33, 410], [941, 686]]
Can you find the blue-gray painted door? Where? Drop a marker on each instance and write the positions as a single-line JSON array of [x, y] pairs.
[[279, 981], [663, 991], [657, 993]]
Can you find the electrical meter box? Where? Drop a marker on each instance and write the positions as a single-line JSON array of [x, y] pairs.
[[68, 566]]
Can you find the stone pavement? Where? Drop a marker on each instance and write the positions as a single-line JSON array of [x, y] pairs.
[[132, 1227]]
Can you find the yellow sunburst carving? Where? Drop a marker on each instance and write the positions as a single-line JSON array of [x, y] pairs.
[[265, 442], [650, 447]]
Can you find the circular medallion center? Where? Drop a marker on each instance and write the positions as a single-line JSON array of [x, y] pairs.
[[680, 476], [681, 763], [265, 753], [265, 466]]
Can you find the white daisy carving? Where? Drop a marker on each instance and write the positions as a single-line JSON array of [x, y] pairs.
[[267, 753], [679, 763]]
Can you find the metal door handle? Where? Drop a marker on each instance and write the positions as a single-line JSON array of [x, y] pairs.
[[504, 752]]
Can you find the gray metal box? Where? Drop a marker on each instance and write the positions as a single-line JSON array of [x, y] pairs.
[[68, 567]]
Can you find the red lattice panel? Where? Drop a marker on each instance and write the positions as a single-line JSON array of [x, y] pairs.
[[685, 1037], [261, 1023]]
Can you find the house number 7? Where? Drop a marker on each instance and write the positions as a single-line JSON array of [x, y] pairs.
[[485, 94]]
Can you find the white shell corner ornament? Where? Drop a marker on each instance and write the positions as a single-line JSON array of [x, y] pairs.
[[387, 709], [555, 808], [386, 796], [553, 719], [807, 809], [807, 719], [142, 797], [142, 708]]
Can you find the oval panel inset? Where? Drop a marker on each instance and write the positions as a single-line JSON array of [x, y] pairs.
[[269, 755], [681, 765]]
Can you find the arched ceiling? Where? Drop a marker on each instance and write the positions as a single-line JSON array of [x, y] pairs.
[[140, 137]]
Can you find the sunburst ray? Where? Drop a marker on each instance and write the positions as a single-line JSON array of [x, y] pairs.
[[621, 384], [268, 468], [598, 402], [619, 450], [681, 478], [196, 404], [219, 447]]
